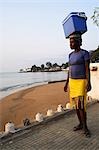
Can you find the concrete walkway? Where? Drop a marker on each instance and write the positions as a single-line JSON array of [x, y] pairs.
[[58, 135]]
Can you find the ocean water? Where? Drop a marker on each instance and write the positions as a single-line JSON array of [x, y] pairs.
[[12, 81]]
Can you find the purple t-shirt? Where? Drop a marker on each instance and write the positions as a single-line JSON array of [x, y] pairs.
[[77, 64]]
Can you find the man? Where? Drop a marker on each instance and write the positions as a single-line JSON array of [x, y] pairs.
[[79, 80]]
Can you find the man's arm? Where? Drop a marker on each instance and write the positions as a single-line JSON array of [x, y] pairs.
[[66, 84], [87, 65]]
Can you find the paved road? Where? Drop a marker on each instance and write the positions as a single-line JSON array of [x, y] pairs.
[[58, 135]]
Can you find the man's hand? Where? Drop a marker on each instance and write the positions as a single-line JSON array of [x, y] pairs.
[[66, 84], [66, 87], [88, 87]]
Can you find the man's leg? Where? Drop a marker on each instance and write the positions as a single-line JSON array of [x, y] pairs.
[[80, 125], [79, 117], [83, 116]]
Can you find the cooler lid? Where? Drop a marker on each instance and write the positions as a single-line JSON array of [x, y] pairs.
[[79, 14]]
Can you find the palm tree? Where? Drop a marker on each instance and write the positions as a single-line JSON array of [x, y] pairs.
[[49, 65], [55, 65], [34, 68], [42, 67]]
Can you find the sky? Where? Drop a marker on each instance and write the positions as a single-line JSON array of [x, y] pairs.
[[31, 31]]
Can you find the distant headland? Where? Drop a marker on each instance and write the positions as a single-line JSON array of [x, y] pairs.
[[49, 67]]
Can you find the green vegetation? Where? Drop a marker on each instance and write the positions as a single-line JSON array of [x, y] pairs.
[[94, 55], [49, 67], [95, 16]]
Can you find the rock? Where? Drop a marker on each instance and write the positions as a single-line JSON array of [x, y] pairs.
[[9, 127], [39, 117], [60, 108], [26, 122], [68, 106], [50, 112]]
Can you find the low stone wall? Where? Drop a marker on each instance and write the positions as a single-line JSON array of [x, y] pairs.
[[94, 93]]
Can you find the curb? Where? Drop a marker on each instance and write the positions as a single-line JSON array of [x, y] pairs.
[[35, 125]]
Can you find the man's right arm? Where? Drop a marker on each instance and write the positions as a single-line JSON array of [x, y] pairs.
[[66, 84]]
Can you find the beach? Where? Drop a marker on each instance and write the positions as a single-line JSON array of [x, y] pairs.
[[27, 103]]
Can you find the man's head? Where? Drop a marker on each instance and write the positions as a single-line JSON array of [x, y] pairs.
[[75, 41]]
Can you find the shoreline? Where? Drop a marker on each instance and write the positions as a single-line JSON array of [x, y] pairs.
[[27, 87], [26, 103], [13, 82], [21, 88]]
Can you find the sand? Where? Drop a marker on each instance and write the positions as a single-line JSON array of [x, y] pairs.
[[26, 103]]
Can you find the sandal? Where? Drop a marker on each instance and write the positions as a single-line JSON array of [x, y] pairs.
[[79, 127], [87, 133]]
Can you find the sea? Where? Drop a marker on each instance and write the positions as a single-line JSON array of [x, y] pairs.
[[11, 82]]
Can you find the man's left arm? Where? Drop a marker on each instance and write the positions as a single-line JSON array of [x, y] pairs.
[[87, 65]]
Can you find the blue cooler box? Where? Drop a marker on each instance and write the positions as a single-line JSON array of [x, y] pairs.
[[74, 22]]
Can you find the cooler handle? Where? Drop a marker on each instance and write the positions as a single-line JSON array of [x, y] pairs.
[[82, 15]]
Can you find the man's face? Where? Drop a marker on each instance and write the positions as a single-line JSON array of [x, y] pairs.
[[74, 44]]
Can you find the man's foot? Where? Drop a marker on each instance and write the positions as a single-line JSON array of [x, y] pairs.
[[87, 133], [79, 127]]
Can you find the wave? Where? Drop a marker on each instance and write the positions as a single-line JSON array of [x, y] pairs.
[[13, 82], [13, 87]]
